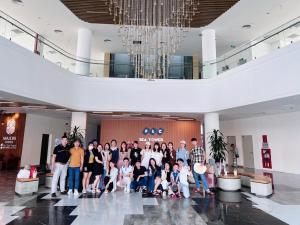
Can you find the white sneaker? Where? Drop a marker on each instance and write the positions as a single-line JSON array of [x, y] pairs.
[[125, 189], [76, 192], [83, 191], [70, 192]]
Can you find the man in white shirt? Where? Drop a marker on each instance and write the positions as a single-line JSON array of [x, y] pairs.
[[184, 173], [126, 173]]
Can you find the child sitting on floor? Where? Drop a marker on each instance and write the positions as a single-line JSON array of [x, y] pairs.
[[174, 187]]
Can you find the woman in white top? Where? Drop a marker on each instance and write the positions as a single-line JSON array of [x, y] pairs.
[[157, 154], [146, 155], [110, 181]]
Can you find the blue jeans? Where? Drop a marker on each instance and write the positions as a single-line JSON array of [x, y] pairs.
[[101, 183], [197, 181], [135, 184], [74, 172], [151, 183]]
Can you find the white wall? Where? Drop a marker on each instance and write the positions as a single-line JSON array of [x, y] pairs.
[[283, 132], [35, 127]]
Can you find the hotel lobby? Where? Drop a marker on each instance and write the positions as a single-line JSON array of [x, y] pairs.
[[149, 112]]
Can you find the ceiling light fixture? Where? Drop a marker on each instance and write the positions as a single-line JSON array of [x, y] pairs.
[[159, 26], [186, 119], [103, 112], [246, 26], [6, 102], [107, 40], [34, 106], [60, 110], [58, 31], [17, 1]]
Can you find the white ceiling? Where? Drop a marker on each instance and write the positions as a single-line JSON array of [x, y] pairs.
[[44, 16], [279, 106]]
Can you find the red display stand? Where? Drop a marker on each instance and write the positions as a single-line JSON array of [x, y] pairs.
[[266, 153]]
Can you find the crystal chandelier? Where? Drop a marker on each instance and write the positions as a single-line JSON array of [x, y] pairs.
[[152, 30]]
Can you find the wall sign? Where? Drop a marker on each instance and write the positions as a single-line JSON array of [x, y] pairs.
[[11, 138], [153, 131]]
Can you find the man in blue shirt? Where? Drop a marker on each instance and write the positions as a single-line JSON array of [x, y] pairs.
[[182, 153]]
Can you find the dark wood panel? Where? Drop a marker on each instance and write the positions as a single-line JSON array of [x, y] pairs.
[[96, 11], [131, 130]]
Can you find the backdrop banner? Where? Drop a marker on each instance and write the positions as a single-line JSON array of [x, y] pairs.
[[149, 130]]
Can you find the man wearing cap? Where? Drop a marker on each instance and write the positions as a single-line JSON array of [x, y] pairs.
[[198, 160], [60, 158], [182, 153]]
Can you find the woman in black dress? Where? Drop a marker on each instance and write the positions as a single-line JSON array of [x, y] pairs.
[[98, 168], [166, 154]]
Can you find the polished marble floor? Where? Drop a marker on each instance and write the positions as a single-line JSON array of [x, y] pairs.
[[230, 208]]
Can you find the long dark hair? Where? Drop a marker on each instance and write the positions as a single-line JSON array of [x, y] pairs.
[[150, 165], [121, 148], [165, 144], [109, 168], [158, 149], [107, 144]]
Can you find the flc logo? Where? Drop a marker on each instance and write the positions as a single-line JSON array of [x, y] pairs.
[[153, 131]]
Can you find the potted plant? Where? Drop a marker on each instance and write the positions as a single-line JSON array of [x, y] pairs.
[[75, 134], [218, 146]]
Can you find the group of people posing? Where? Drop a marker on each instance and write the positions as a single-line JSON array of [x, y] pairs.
[[157, 169]]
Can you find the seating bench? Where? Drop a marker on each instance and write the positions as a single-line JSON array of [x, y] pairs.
[[259, 185], [48, 182], [26, 185]]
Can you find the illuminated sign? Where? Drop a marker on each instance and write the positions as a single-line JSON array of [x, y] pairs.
[[153, 131]]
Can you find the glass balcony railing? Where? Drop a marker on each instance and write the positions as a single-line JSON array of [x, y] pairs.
[[280, 37], [185, 68]]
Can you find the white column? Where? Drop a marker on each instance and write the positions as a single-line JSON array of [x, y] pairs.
[[209, 54], [211, 122], [83, 52], [79, 119]]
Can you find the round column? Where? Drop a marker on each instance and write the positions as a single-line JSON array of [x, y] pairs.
[[209, 54], [83, 52]]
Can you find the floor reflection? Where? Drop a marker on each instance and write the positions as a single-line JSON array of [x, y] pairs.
[[232, 208]]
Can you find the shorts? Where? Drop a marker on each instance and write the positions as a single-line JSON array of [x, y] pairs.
[[88, 168]]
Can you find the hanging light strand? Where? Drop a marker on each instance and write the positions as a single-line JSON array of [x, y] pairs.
[[152, 31]]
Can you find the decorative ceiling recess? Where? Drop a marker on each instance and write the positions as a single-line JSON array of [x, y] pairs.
[[152, 30], [97, 11]]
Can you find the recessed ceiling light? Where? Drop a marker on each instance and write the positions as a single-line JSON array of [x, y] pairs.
[[58, 31], [17, 1], [185, 119], [60, 109], [6, 102], [107, 40], [246, 26], [102, 112], [34, 106]]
